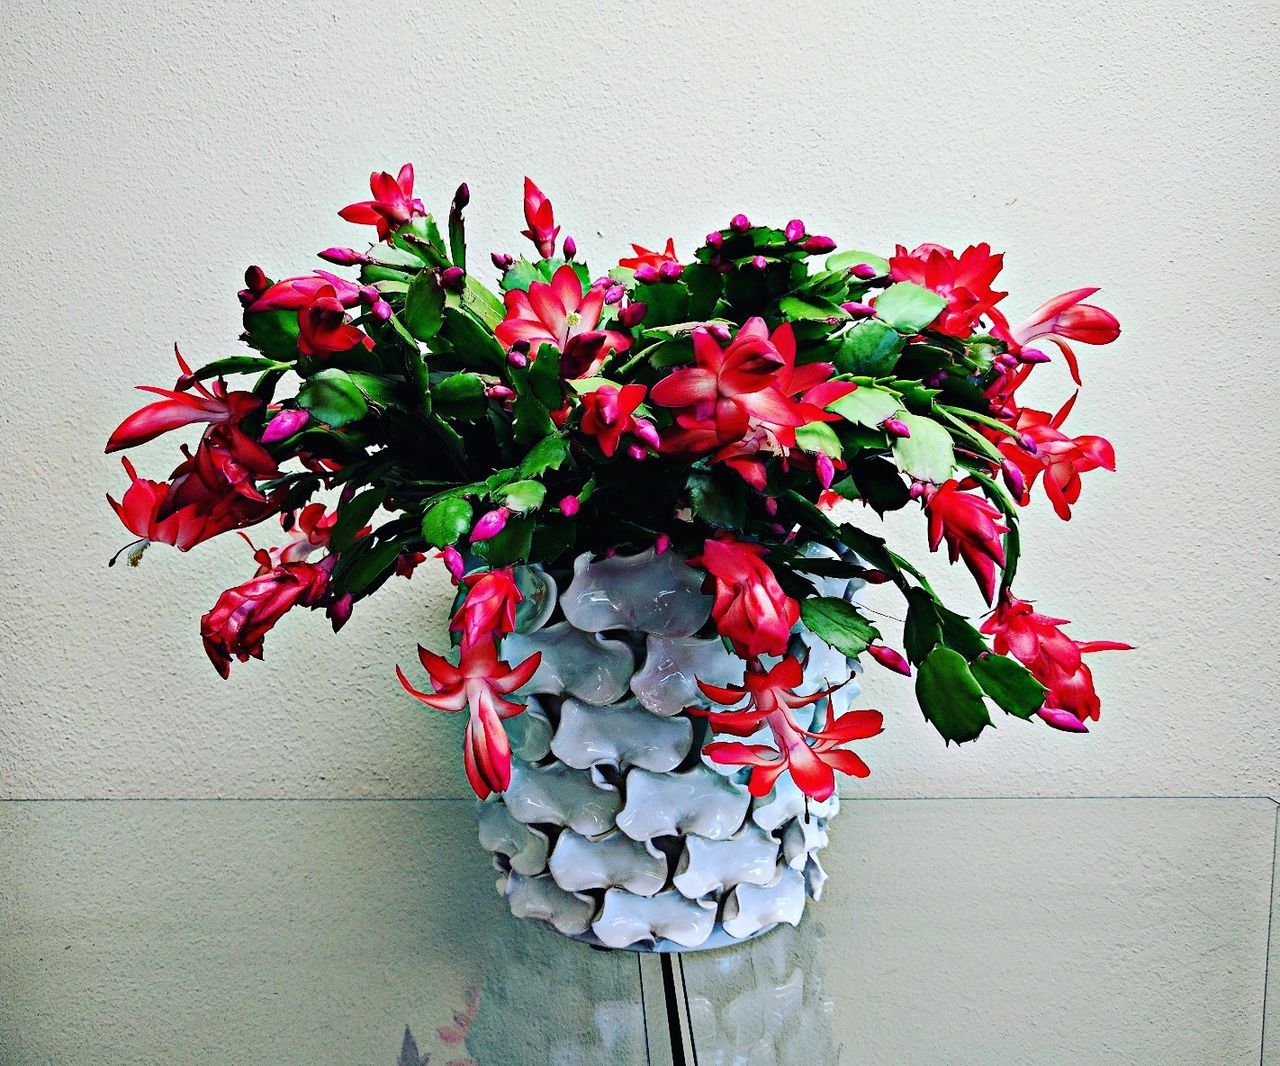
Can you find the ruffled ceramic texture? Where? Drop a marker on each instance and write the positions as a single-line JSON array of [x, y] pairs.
[[615, 830]]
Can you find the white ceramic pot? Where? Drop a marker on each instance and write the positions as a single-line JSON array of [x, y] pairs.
[[615, 830]]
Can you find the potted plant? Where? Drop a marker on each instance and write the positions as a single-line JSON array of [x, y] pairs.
[[634, 479]]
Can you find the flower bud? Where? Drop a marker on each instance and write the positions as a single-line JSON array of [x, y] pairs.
[[889, 659], [633, 314], [818, 245], [255, 280], [739, 223], [661, 543], [771, 505], [343, 257], [453, 560], [826, 469], [715, 239], [490, 524], [1013, 478], [462, 197], [1032, 355], [670, 271], [340, 610], [776, 528], [380, 310], [569, 506], [1028, 443], [864, 271], [874, 577], [453, 279], [500, 393], [858, 310], [285, 424], [720, 332], [758, 262], [646, 274], [795, 230], [614, 293], [935, 379], [521, 346], [1005, 361], [647, 432], [636, 452], [517, 358], [570, 248], [918, 489], [501, 260], [895, 427]]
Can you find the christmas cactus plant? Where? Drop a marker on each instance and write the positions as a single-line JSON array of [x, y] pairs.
[[720, 407]]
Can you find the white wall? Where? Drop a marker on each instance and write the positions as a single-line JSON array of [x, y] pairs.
[[149, 154]]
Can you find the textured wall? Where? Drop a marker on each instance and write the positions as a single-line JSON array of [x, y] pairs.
[[149, 155]]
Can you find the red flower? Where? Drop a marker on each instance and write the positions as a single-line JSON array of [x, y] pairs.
[[1060, 458], [540, 219], [244, 615], [561, 315], [182, 408], [1063, 316], [324, 328], [226, 462], [479, 682], [489, 611], [1054, 659], [964, 280], [392, 204], [770, 695], [644, 257], [292, 294], [608, 412], [971, 527], [745, 398], [309, 533], [750, 608]]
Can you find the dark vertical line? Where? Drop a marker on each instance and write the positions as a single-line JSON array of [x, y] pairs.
[[1271, 919], [644, 1010], [688, 1014], [673, 1011]]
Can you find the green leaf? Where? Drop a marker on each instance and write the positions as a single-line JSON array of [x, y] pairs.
[[370, 562], [333, 398], [548, 454], [460, 395], [544, 377], [870, 348], [819, 437], [908, 307], [523, 496], [424, 306], [353, 517], [446, 521], [838, 623], [512, 544], [379, 391], [273, 333], [1009, 683], [717, 502], [951, 697], [520, 275], [868, 405], [958, 634], [810, 309], [922, 632], [470, 339], [926, 455], [238, 364], [845, 260]]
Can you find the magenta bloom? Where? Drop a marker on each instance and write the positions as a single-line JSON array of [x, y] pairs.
[[540, 219], [1063, 318], [644, 257], [488, 613], [291, 294], [608, 412], [750, 607], [562, 315], [965, 280], [392, 204], [480, 682], [324, 328], [1060, 458], [971, 527]]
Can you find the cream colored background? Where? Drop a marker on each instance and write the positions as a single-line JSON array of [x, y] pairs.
[[150, 154]]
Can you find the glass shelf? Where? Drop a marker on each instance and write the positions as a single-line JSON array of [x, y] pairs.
[[957, 931]]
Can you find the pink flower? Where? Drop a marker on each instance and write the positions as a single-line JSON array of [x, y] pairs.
[[479, 682], [964, 280], [810, 757], [750, 608], [490, 524], [608, 412], [325, 329], [242, 617], [1054, 659], [561, 315], [1060, 458], [971, 527], [540, 218], [1065, 316], [392, 204], [292, 294], [488, 613], [182, 408], [644, 257]]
